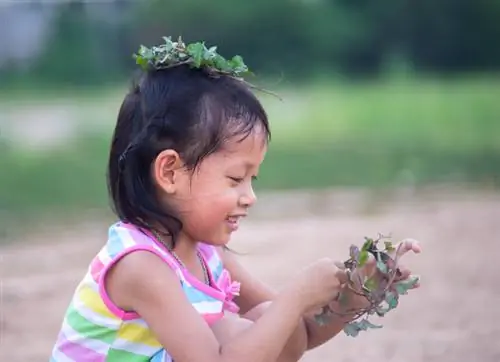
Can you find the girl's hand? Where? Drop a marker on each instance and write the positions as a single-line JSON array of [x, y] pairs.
[[318, 284]]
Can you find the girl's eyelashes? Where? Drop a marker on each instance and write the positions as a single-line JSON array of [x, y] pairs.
[[236, 179], [240, 179]]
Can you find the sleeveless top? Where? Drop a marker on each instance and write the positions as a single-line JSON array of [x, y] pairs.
[[94, 329]]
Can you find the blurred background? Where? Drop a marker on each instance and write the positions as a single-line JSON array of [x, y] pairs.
[[389, 122]]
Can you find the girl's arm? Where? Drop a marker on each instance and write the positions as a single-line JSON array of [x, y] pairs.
[[142, 282], [254, 292]]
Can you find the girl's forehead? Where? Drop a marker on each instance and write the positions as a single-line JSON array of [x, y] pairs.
[[253, 143]]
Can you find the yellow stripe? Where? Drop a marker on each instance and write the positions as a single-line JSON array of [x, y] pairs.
[[138, 334], [92, 300], [129, 331]]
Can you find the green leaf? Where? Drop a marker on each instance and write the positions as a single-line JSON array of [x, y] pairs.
[[367, 244], [391, 300], [351, 329], [196, 54], [343, 299], [388, 246], [363, 258], [371, 284], [403, 286], [382, 267], [381, 311], [365, 324], [196, 51], [321, 319]]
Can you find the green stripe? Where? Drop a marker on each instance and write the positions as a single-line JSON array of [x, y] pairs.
[[117, 355], [89, 329]]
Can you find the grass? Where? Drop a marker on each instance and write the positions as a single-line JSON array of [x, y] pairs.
[[380, 134]]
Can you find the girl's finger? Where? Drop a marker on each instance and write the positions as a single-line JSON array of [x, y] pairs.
[[408, 245]]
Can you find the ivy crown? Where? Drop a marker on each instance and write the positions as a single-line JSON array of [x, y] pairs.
[[196, 55]]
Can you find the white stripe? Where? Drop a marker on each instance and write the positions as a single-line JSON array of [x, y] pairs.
[[139, 322], [103, 256], [88, 279], [93, 317], [213, 263], [93, 344], [125, 237], [128, 346], [58, 356], [89, 282], [208, 307]]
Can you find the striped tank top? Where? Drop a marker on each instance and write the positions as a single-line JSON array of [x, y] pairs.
[[94, 329]]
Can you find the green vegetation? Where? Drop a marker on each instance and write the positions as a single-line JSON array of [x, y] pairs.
[[380, 134]]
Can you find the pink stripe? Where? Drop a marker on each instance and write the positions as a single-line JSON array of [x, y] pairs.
[[212, 317], [139, 234], [96, 268], [78, 352], [207, 250]]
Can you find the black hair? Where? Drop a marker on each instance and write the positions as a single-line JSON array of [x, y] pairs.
[[178, 108]]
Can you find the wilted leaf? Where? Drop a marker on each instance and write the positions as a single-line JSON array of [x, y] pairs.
[[351, 329], [391, 300], [354, 252], [365, 324], [381, 311], [388, 246], [382, 267], [403, 286]]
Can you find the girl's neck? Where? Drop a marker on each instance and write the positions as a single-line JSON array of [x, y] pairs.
[[185, 248]]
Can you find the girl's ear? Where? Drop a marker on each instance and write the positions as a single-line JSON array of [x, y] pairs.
[[166, 168]]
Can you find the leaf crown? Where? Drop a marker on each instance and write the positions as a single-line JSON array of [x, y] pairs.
[[196, 55]]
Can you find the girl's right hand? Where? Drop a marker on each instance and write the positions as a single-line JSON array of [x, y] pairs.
[[318, 284]]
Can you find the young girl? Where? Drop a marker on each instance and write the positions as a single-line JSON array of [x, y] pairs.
[[186, 148]]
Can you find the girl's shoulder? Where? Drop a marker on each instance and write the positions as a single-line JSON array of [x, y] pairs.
[[124, 238]]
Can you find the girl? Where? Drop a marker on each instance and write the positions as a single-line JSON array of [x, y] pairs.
[[186, 148]]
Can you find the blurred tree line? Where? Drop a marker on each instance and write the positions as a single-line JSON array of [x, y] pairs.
[[93, 42]]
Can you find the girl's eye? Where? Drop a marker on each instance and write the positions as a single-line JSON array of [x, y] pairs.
[[236, 179]]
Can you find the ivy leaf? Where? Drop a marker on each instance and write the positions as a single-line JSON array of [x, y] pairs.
[[382, 267], [381, 311], [237, 64], [371, 284], [321, 319], [365, 324], [343, 299], [388, 246], [351, 329], [391, 300], [403, 286], [363, 258], [196, 51], [354, 252], [367, 245], [196, 54]]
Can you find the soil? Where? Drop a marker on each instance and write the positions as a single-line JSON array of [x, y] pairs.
[[453, 317]]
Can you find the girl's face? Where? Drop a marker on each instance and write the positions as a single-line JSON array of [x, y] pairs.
[[212, 201]]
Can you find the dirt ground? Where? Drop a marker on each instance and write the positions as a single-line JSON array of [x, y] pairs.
[[454, 317]]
